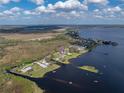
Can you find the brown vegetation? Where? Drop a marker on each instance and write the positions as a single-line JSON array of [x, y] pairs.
[[30, 36], [32, 50]]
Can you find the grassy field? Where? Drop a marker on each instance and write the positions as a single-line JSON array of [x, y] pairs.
[[40, 72], [72, 55], [15, 51]]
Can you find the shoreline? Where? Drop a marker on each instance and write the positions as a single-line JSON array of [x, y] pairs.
[[53, 67], [75, 55], [61, 57]]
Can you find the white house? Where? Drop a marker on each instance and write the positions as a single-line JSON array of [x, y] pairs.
[[43, 63], [25, 69]]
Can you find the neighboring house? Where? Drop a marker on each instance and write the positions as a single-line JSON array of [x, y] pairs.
[[61, 50], [25, 69], [64, 51], [79, 48], [67, 52]]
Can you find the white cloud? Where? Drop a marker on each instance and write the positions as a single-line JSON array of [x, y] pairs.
[[109, 12], [4, 1], [71, 15], [103, 2], [72, 7], [7, 12], [38, 2], [15, 9], [75, 14], [1, 14], [28, 12], [68, 9], [43, 9], [11, 12], [7, 1], [112, 9], [69, 4]]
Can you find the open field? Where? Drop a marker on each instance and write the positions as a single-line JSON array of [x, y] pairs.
[[32, 50], [31, 36]]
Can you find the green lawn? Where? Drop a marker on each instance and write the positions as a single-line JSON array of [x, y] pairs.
[[72, 55], [39, 71]]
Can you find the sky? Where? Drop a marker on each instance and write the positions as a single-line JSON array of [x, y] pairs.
[[36, 12]]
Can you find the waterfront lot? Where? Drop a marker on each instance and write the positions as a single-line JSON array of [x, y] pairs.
[[38, 71]]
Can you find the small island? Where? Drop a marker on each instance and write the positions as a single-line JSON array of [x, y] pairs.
[[89, 68]]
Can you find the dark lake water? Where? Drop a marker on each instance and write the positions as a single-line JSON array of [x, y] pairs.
[[108, 59]]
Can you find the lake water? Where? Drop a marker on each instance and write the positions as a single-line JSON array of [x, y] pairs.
[[108, 59]]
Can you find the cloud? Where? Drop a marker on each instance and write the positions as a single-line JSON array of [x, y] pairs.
[[69, 9], [43, 9], [15, 9], [109, 12], [11, 12], [69, 4], [103, 2], [8, 1], [113, 9], [38, 2], [76, 9], [28, 12]]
